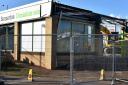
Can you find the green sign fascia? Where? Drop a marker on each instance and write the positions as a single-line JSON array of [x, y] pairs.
[[27, 14]]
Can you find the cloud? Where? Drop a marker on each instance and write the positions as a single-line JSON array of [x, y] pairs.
[[117, 16], [112, 15], [126, 17]]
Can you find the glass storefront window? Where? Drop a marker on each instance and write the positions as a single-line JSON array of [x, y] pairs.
[[7, 37], [11, 38], [77, 28], [32, 38], [84, 43], [64, 27], [39, 40], [26, 38], [91, 38], [63, 36]]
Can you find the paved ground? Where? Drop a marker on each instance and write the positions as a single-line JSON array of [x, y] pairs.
[[42, 81], [64, 83], [18, 76]]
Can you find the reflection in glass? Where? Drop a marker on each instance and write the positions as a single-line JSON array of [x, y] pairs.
[[6, 37]]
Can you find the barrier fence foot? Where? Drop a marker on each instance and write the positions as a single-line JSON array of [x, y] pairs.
[[30, 75], [113, 82], [102, 74]]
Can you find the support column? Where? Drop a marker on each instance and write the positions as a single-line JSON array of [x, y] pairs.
[[99, 38], [50, 42], [16, 42]]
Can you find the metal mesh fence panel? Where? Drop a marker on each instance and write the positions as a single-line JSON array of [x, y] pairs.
[[92, 53], [78, 58]]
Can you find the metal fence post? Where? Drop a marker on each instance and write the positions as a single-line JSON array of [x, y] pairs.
[[113, 65], [71, 59], [0, 55], [0, 60]]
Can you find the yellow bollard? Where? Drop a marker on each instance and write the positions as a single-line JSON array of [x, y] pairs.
[[102, 75], [30, 75]]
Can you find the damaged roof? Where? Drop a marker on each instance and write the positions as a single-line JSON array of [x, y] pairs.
[[74, 11]]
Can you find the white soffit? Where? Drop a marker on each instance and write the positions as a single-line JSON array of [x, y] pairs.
[[26, 12]]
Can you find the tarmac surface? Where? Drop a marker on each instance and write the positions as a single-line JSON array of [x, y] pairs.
[[41, 81], [57, 78]]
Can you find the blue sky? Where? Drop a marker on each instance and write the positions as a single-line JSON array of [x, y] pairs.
[[116, 8]]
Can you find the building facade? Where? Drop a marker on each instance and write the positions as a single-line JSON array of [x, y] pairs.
[[39, 32]]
